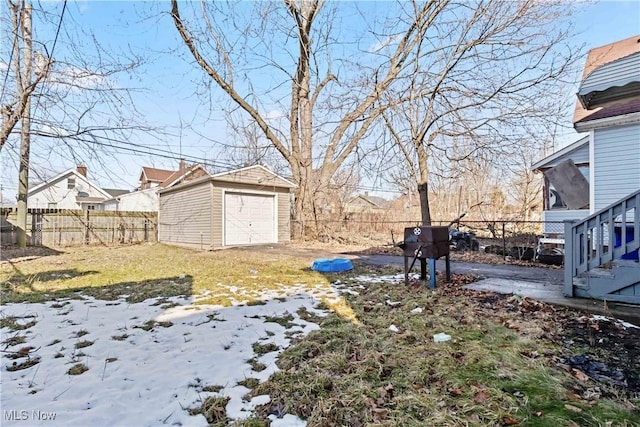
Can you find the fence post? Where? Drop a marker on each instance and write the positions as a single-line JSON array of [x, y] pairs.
[[504, 242], [568, 258], [87, 233]]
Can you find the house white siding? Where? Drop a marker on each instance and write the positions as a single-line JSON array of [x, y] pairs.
[[136, 201], [616, 164], [61, 193], [185, 217]]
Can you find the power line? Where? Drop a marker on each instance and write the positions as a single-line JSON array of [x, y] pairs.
[[6, 75], [53, 47]]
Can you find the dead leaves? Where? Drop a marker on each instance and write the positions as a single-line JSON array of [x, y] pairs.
[[480, 397], [509, 420], [378, 405], [572, 408]]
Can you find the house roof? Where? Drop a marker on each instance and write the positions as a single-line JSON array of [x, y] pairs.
[[155, 175], [619, 109], [607, 66], [268, 177], [252, 175], [375, 201], [564, 152], [178, 175], [66, 174], [618, 73], [167, 178]]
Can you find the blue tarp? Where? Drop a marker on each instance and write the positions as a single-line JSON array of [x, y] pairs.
[[331, 265]]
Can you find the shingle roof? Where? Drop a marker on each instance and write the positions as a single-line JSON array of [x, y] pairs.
[[175, 175], [157, 175], [619, 109], [599, 56]]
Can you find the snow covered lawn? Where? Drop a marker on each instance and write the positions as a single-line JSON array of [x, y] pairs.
[[89, 362]]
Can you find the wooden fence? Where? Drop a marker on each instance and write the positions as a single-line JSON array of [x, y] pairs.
[[62, 227]]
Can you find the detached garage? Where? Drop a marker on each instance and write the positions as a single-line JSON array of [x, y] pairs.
[[247, 206]]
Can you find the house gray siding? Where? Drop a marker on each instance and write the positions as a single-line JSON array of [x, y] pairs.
[[617, 73], [185, 216], [616, 165], [580, 156]]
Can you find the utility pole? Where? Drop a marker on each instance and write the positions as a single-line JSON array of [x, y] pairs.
[[23, 79]]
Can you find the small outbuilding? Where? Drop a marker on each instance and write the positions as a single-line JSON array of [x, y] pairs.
[[246, 206]]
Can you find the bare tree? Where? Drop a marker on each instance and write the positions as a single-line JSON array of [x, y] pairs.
[[333, 102], [484, 73], [60, 94], [22, 24], [21, 43]]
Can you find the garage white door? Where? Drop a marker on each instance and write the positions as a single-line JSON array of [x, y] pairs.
[[249, 219]]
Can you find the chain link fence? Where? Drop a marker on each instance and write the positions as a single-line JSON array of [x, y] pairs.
[[503, 237]]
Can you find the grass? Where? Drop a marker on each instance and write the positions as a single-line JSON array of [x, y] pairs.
[[77, 369], [499, 368], [147, 271]]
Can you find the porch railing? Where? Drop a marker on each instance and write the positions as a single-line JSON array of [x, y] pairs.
[[612, 233]]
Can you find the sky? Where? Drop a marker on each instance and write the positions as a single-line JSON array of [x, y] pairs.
[[165, 86]]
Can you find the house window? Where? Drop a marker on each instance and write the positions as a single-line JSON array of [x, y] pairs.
[[91, 207], [71, 183]]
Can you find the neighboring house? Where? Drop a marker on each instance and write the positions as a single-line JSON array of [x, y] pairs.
[[607, 231], [364, 203], [68, 190], [554, 209], [246, 206], [152, 180]]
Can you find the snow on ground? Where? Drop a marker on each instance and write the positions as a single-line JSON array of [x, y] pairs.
[[139, 377]]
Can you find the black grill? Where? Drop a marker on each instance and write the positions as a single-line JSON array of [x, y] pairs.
[[425, 243]]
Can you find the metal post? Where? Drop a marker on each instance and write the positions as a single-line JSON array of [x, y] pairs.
[[568, 258], [432, 273], [504, 242]]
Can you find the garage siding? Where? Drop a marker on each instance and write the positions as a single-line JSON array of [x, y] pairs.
[[185, 216], [217, 218], [284, 215]]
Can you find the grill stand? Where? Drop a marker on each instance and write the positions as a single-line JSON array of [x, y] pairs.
[[426, 244], [423, 268]]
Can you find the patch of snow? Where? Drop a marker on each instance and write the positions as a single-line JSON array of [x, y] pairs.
[[416, 310], [618, 321], [286, 421], [441, 337], [393, 303], [394, 328], [145, 377]]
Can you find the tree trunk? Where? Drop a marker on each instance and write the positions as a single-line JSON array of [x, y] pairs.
[[423, 190], [23, 176]]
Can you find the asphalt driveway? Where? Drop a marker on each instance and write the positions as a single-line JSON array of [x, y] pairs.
[[499, 271]]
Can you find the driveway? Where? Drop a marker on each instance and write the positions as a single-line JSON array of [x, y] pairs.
[[499, 271]]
